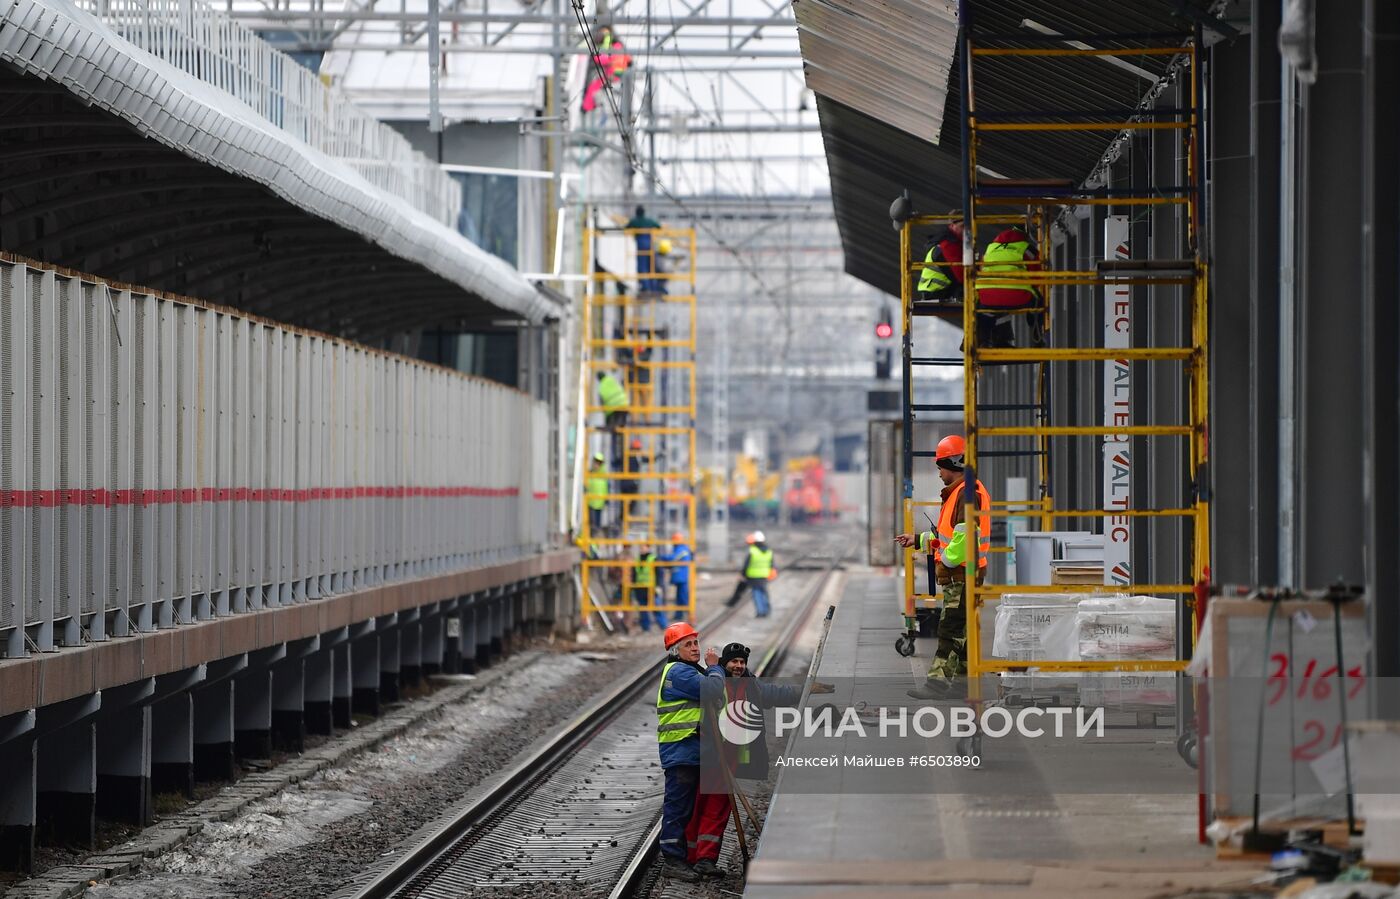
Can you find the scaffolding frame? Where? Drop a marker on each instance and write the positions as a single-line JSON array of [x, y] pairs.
[[623, 331], [1040, 507], [981, 192]]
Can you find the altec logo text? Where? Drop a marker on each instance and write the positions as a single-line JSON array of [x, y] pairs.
[[927, 721]]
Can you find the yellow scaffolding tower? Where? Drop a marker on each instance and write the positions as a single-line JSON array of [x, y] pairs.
[[982, 192], [640, 327]]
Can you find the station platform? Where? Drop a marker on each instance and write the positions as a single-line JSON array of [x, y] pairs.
[[941, 832]]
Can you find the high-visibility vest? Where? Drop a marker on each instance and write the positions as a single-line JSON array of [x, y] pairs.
[[676, 719], [933, 278], [1005, 257], [597, 489], [760, 563], [945, 525], [644, 574], [613, 394]]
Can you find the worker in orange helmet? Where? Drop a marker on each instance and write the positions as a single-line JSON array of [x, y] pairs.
[[678, 717], [950, 660]]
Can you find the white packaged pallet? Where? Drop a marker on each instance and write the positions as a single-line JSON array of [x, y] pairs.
[[1127, 627], [1141, 628], [1032, 627], [1128, 690]]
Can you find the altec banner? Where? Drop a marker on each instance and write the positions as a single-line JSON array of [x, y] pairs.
[[1117, 405]]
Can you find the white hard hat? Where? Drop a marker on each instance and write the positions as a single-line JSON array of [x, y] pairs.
[[758, 537]]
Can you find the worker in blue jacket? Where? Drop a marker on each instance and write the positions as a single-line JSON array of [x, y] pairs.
[[678, 718], [680, 574]]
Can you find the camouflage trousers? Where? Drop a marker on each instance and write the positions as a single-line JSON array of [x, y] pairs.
[[950, 660]]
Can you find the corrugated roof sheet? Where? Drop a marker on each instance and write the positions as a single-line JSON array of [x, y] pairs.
[[887, 58], [874, 152]]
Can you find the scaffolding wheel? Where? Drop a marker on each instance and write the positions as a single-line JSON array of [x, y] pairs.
[[967, 747], [1186, 748], [905, 645]]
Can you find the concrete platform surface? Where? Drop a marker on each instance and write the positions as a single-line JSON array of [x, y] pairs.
[[949, 831]]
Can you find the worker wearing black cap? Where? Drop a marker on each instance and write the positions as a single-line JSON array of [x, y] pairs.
[[750, 760]]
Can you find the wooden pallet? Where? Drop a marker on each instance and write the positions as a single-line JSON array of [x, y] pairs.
[[1334, 834]]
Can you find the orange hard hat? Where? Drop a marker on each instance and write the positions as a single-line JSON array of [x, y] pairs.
[[636, 443], [678, 537], [950, 448], [678, 632]]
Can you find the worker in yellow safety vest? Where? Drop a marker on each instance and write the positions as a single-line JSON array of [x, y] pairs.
[[644, 589], [596, 489], [950, 660], [758, 570], [941, 279], [678, 717], [612, 396], [1012, 252]]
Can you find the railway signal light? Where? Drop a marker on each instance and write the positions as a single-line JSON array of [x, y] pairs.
[[884, 327]]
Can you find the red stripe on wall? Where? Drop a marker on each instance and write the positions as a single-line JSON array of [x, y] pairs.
[[49, 499]]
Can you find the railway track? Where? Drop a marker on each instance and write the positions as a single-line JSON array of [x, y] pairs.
[[580, 814]]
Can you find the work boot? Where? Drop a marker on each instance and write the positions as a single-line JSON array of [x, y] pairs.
[[932, 688], [708, 870], [677, 869]]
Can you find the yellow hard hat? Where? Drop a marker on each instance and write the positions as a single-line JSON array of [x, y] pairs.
[[664, 247]]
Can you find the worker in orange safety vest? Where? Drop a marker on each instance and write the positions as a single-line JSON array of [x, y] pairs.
[[950, 660]]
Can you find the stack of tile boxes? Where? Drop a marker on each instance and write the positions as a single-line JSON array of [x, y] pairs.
[[1072, 627]]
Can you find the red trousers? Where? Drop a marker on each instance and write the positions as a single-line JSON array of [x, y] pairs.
[[706, 828]]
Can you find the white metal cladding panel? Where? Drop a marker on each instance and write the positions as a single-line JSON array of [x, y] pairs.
[[303, 466], [539, 477], [206, 415], [223, 462], [477, 451], [43, 324], [120, 466], [97, 347], [68, 526], [14, 420], [316, 412], [272, 449], [72, 451], [145, 485], [335, 464], [383, 514], [286, 368], [439, 417], [240, 448], [157, 457], [355, 405], [256, 445], [168, 505], [186, 441]]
